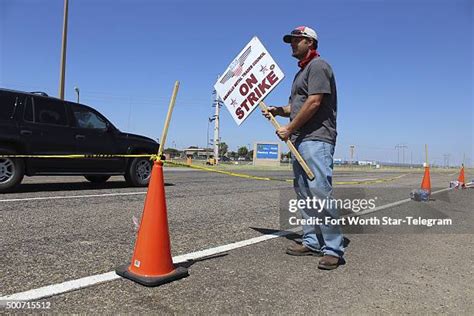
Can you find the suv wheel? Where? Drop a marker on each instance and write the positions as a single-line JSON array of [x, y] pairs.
[[11, 171], [139, 172], [97, 179]]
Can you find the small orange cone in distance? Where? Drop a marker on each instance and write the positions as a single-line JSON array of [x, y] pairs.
[[461, 179], [152, 264], [426, 183]]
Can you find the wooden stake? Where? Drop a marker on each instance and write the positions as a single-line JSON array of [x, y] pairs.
[[292, 147], [426, 154], [168, 119]]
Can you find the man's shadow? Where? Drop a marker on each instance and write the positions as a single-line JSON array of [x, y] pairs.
[[290, 236], [187, 264]]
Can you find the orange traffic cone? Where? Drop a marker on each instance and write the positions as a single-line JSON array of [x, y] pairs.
[[461, 180], [426, 183], [152, 264]]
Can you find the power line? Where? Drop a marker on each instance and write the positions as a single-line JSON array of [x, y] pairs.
[[402, 147]]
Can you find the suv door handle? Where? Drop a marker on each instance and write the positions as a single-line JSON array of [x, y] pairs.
[[25, 132], [80, 137]]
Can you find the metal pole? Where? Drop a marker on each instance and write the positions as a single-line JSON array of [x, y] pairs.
[[216, 131], [397, 147], [77, 92], [403, 152], [207, 140], [62, 72]]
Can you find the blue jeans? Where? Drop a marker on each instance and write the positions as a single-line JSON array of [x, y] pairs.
[[319, 158]]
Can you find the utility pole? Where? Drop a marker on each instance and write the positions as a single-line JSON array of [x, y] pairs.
[[62, 71], [209, 120], [403, 152], [397, 147], [446, 160], [207, 140], [402, 147], [217, 104]]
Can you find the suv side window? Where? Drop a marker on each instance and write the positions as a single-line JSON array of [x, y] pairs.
[[85, 118], [8, 105], [49, 112]]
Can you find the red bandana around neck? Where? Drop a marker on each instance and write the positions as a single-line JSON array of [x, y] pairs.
[[311, 54]]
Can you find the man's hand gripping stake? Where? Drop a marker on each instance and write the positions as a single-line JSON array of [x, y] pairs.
[[292, 147]]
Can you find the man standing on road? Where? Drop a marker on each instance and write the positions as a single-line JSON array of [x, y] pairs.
[[312, 111]]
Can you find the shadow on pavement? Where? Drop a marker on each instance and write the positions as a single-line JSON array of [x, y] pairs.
[[72, 186], [191, 262], [293, 236]]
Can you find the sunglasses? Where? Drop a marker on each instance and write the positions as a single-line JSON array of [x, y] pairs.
[[298, 32]]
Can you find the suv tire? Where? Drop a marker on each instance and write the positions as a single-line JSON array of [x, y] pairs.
[[97, 179], [12, 171], [138, 173]]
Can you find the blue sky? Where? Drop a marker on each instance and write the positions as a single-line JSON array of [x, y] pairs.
[[403, 68]]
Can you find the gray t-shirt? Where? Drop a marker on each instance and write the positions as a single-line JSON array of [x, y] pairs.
[[317, 77]]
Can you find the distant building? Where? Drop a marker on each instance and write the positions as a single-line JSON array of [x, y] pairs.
[[199, 153], [366, 163], [172, 153]]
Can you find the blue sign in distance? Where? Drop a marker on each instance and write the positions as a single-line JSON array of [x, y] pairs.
[[267, 151]]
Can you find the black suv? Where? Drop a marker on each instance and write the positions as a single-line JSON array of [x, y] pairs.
[[35, 124]]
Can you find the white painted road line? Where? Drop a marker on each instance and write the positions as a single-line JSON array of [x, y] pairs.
[[68, 286], [55, 289], [62, 197], [383, 207]]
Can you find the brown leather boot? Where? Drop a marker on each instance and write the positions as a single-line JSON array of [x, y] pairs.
[[328, 262], [301, 250]]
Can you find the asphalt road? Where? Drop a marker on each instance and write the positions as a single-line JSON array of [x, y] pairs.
[[47, 240]]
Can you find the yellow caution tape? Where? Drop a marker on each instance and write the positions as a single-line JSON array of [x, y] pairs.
[[371, 181], [241, 175], [156, 158], [87, 156]]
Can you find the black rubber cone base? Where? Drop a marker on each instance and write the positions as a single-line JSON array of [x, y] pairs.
[[176, 274]]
